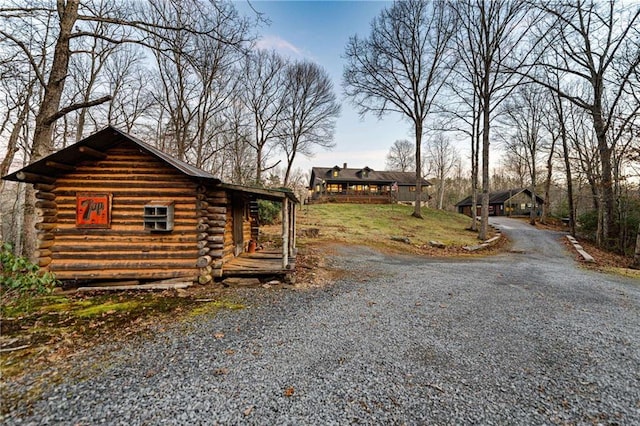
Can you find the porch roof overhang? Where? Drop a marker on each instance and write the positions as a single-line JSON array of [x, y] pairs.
[[263, 193]]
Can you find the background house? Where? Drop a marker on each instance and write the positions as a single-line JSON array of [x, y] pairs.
[[365, 185], [512, 202], [113, 207]]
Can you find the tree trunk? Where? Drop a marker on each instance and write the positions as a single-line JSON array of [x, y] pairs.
[[441, 193], [484, 217], [532, 213], [547, 183], [636, 257], [475, 155], [42, 136], [609, 232], [417, 210], [568, 174], [12, 146]]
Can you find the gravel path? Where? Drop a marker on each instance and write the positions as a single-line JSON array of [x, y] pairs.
[[520, 338]]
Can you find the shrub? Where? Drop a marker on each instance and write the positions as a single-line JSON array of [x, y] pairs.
[[21, 278], [588, 223], [268, 212]]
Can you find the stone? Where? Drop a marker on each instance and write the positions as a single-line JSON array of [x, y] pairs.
[[241, 282], [437, 244], [405, 240]]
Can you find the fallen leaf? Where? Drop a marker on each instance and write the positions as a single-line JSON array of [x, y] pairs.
[[220, 371], [218, 335], [248, 410], [229, 352], [289, 391]]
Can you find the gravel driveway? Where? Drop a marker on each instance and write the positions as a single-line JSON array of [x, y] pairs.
[[519, 338]]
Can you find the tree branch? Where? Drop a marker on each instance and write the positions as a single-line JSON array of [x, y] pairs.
[[73, 107]]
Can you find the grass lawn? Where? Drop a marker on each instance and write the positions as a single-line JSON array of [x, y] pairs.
[[376, 224]]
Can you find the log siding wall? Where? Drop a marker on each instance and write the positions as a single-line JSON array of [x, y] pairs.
[[126, 250]]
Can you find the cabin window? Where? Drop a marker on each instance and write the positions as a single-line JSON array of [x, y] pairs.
[[158, 216], [335, 173]]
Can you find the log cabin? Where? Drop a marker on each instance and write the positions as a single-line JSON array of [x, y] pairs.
[[112, 207]]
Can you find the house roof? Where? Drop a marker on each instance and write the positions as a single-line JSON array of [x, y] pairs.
[[500, 197], [90, 148], [362, 175], [95, 145]]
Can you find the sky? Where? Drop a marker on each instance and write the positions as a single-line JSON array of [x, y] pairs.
[[319, 31]]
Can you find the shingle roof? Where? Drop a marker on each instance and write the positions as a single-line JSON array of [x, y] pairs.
[[353, 175], [499, 197]]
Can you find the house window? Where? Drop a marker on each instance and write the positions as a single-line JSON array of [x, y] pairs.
[[334, 187], [413, 188], [373, 188], [335, 173], [158, 216]]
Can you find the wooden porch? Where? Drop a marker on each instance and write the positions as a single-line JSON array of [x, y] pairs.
[[352, 198], [264, 262]]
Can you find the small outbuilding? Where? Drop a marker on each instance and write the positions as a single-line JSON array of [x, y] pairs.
[[512, 202], [112, 207]]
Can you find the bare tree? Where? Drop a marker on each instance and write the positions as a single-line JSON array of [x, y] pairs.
[[442, 157], [595, 43], [401, 156], [523, 113], [402, 66], [239, 155], [73, 21], [263, 84], [196, 72], [128, 80], [310, 112], [636, 256], [491, 35]]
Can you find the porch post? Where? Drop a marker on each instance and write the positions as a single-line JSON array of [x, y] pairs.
[[292, 230], [285, 232]]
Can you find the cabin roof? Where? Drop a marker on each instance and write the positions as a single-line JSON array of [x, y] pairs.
[[355, 175], [96, 144], [90, 148], [500, 197]]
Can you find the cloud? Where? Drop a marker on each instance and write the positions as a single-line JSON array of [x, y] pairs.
[[279, 45]]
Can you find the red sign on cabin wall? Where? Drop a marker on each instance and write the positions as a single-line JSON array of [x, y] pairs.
[[93, 210]]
